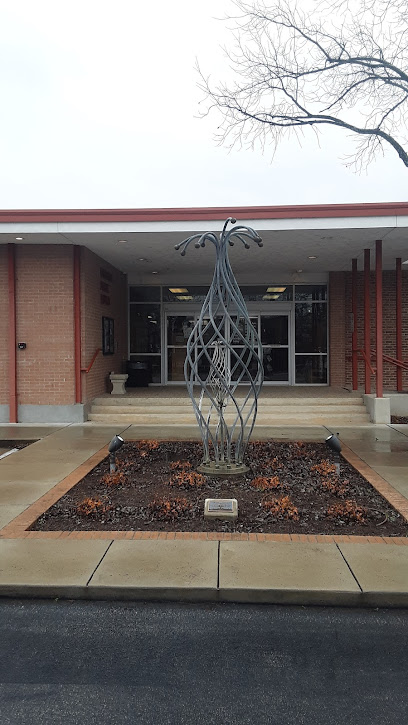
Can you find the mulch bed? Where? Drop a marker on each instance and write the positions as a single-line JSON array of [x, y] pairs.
[[156, 488], [16, 444], [399, 419]]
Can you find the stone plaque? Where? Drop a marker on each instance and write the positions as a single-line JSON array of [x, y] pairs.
[[220, 508], [220, 505]]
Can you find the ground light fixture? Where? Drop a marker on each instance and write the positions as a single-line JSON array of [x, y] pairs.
[[116, 443], [333, 442]]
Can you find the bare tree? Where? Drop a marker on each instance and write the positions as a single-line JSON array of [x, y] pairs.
[[340, 63]]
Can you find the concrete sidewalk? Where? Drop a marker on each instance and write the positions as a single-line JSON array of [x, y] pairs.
[[320, 570]]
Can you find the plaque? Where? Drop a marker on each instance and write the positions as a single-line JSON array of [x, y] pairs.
[[220, 506]]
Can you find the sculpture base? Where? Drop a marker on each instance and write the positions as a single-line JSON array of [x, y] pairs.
[[222, 469]]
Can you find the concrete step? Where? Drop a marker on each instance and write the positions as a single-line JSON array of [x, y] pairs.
[[169, 419], [262, 411], [262, 402]]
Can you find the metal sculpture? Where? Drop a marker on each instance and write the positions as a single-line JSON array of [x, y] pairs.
[[222, 353]]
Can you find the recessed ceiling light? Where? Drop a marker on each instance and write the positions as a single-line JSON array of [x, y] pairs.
[[19, 239], [178, 290], [122, 241], [270, 297], [276, 289], [299, 271], [312, 256], [142, 259], [155, 273], [184, 297]]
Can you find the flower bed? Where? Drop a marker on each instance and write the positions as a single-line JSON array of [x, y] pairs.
[[291, 488]]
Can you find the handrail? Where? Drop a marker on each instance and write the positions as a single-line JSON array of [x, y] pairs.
[[387, 358], [86, 370], [365, 358], [398, 363]]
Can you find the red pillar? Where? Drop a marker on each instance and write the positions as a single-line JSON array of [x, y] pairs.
[[379, 317], [354, 364], [367, 345], [77, 323], [12, 333], [398, 319]]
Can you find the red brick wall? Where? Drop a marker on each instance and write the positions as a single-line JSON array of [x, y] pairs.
[[45, 322], [4, 390], [340, 344], [93, 309]]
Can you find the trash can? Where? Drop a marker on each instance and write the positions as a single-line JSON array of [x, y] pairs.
[[138, 374]]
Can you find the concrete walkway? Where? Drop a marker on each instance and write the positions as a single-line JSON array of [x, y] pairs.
[[322, 570]]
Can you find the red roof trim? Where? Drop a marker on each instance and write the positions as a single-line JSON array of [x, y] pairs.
[[312, 211]]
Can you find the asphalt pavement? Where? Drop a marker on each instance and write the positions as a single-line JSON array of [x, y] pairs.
[[66, 662]]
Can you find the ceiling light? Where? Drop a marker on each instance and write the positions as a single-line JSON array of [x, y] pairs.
[[184, 297], [122, 241], [178, 290], [299, 271], [19, 239], [276, 289], [155, 273], [312, 257], [142, 259], [270, 297]]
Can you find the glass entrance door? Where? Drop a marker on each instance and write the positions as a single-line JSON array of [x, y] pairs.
[[273, 331], [178, 329], [275, 347]]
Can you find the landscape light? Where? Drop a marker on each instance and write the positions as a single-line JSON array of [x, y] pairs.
[[333, 442], [116, 443]]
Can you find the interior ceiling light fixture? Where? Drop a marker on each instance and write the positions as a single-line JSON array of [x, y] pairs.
[[276, 289], [178, 290], [155, 273], [270, 297], [184, 297], [19, 239], [312, 256], [122, 241]]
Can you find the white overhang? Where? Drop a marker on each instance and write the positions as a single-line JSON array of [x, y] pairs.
[[141, 242]]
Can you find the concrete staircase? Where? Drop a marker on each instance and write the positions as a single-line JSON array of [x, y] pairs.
[[170, 410]]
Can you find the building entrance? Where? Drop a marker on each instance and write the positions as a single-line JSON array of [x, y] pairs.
[[273, 330]]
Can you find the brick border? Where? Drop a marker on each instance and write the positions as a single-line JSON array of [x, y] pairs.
[[17, 529]]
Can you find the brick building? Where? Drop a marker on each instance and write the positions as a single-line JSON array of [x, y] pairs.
[[86, 292]]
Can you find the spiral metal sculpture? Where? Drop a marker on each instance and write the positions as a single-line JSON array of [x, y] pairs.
[[222, 353]]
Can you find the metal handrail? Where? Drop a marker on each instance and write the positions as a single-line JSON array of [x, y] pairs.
[[387, 358], [97, 351]]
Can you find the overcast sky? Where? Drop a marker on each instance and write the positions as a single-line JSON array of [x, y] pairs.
[[100, 109]]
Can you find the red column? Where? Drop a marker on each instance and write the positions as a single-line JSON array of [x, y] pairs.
[[398, 319], [77, 323], [12, 333], [379, 317], [367, 345], [354, 364]]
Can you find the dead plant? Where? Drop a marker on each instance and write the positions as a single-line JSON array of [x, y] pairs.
[[90, 506], [180, 465], [347, 512], [324, 468], [281, 508], [169, 509], [114, 479], [264, 483], [187, 479]]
